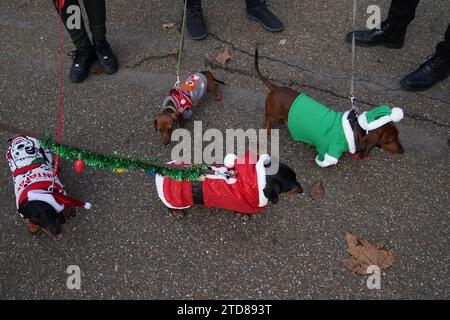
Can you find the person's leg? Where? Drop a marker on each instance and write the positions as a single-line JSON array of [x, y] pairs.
[[435, 69], [96, 11], [79, 36], [443, 47], [83, 56], [195, 24], [402, 12], [257, 10], [393, 29]]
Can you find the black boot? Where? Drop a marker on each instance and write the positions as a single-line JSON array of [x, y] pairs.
[[106, 57], [195, 23], [391, 36], [83, 58], [257, 10], [431, 71]]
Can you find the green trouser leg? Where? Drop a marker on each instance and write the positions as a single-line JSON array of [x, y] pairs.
[[96, 11]]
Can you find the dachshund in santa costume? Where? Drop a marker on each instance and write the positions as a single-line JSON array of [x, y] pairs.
[[40, 196], [242, 185]]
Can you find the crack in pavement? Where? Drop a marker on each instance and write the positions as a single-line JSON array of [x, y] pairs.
[[413, 116], [147, 58], [298, 67], [304, 69]]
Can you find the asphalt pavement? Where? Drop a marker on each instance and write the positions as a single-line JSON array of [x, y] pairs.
[[128, 246]]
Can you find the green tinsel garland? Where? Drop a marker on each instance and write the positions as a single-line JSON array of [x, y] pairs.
[[97, 160]]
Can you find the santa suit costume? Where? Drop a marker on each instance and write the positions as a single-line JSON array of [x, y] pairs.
[[187, 95], [243, 193], [330, 131], [32, 168]]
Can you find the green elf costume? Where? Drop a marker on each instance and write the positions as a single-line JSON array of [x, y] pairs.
[[330, 131]]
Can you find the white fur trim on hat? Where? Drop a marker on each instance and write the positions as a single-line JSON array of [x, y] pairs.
[[348, 132], [327, 161], [396, 115], [42, 195], [159, 181], [229, 160], [261, 175]]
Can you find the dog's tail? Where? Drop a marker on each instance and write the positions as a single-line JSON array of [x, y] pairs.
[[266, 81]]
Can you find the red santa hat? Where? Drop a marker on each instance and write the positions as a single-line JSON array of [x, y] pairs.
[[57, 200]]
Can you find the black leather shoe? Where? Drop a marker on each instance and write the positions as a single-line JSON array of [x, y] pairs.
[[106, 57], [431, 71], [264, 16], [195, 23], [83, 59], [389, 36]]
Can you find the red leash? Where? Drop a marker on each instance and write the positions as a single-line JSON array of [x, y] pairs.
[[60, 5]]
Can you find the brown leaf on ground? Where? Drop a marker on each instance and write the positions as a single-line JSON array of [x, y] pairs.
[[316, 56], [167, 26], [380, 244], [223, 57], [174, 51], [317, 191], [97, 69], [365, 254], [352, 241]]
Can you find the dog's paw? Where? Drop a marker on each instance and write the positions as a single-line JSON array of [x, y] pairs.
[[243, 217], [177, 214]]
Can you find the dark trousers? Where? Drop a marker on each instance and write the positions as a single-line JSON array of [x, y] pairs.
[[249, 3], [402, 12], [96, 11]]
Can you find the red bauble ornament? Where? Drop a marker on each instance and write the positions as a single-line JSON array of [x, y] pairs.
[[79, 165]]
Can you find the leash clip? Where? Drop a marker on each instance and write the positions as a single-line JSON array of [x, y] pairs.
[[354, 107]]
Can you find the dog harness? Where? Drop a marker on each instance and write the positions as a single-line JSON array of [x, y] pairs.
[[244, 193], [330, 131], [186, 95], [32, 168]]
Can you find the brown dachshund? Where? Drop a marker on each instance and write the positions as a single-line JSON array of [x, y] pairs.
[[177, 104], [331, 132]]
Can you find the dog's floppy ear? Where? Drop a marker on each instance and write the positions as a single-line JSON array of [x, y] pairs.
[[368, 142], [178, 119], [272, 190]]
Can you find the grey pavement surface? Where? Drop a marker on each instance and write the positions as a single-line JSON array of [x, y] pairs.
[[128, 246]]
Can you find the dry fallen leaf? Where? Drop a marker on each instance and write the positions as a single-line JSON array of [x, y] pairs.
[[318, 191], [316, 56], [174, 51], [366, 254], [223, 57], [97, 69], [167, 26], [283, 42]]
